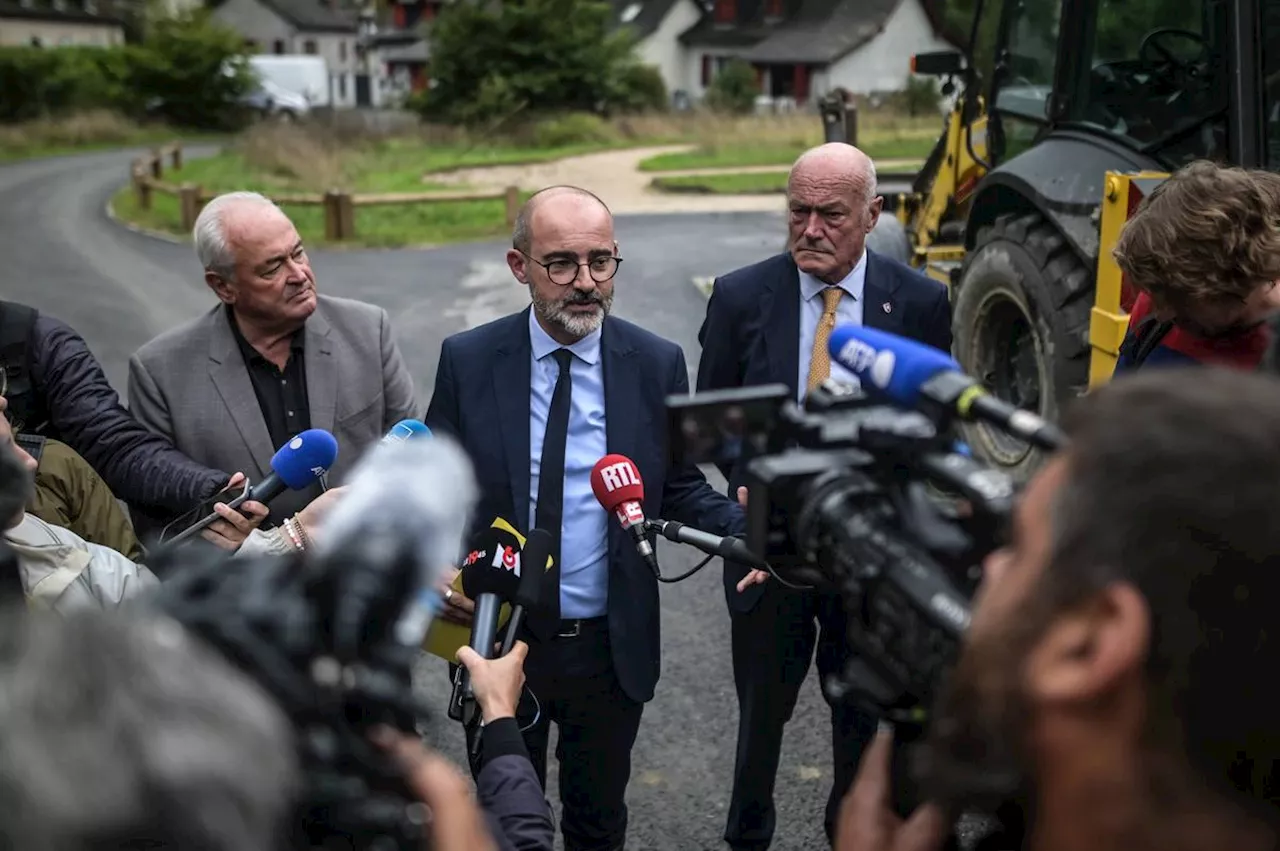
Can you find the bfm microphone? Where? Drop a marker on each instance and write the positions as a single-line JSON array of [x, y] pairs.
[[534, 557], [295, 466], [915, 375], [733, 549], [616, 483], [490, 577]]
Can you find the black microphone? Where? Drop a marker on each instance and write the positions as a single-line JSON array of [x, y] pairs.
[[533, 567], [489, 579], [733, 549]]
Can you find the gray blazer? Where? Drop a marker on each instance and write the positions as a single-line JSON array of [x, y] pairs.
[[191, 385]]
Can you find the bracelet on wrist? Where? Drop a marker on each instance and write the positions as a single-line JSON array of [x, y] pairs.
[[288, 527]]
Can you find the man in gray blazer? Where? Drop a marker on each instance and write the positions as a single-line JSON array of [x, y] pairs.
[[272, 359]]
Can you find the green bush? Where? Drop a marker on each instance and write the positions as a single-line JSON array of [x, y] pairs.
[[639, 88], [176, 74], [734, 89]]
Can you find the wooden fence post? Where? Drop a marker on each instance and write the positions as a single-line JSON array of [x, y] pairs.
[[332, 217], [189, 204], [141, 186], [176, 152], [157, 164], [513, 204], [346, 215]]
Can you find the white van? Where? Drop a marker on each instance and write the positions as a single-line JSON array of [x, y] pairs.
[[306, 76]]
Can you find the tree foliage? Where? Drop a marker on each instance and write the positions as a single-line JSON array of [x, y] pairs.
[[532, 58], [734, 88], [187, 70]]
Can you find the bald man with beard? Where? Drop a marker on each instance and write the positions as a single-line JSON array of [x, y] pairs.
[[769, 323]]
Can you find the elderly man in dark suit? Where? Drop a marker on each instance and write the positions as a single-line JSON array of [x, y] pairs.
[[769, 323], [536, 399], [272, 359]]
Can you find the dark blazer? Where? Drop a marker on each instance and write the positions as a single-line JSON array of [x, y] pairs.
[[751, 336], [481, 398]]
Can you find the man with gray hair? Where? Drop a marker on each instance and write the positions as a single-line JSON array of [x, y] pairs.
[[123, 732], [769, 323], [272, 359]]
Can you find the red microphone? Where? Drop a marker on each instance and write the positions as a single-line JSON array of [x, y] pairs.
[[618, 488]]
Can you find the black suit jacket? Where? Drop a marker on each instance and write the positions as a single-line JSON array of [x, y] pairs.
[[751, 336], [481, 398]]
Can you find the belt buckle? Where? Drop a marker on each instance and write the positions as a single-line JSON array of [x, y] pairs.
[[574, 633]]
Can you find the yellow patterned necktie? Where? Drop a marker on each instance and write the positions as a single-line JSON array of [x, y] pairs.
[[820, 362]]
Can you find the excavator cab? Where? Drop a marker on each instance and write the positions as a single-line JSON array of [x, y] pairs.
[[1069, 111]]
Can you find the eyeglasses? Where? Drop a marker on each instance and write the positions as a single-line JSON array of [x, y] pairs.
[[565, 272]]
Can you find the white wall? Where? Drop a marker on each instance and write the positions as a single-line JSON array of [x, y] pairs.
[[663, 49], [884, 63], [21, 31], [693, 67], [254, 21], [342, 66]]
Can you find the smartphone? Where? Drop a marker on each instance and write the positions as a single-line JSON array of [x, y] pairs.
[[723, 427]]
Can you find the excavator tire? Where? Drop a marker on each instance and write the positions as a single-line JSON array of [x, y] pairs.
[[1021, 327]]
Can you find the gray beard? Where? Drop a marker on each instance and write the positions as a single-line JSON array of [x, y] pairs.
[[577, 325]]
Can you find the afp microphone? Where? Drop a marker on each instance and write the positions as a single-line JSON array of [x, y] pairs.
[[918, 376], [616, 483], [406, 430], [295, 466]]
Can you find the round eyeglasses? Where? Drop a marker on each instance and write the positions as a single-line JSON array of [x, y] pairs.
[[565, 272]]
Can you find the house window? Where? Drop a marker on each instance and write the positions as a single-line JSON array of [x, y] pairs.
[[309, 47], [36, 42], [278, 47], [251, 45], [773, 9], [726, 11], [398, 17], [342, 50], [706, 70], [90, 7]]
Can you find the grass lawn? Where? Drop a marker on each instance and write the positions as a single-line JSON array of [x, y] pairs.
[[734, 183], [82, 133], [880, 144]]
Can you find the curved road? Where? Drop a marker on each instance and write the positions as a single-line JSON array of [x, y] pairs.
[[119, 288]]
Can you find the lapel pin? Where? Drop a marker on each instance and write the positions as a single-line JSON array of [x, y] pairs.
[[888, 307]]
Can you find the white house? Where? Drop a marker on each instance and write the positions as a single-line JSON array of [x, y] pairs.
[[657, 25], [60, 23], [802, 49], [310, 27]]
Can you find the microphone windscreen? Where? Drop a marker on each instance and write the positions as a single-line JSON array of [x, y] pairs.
[[535, 557], [492, 565], [615, 480], [306, 457], [887, 363], [406, 430]]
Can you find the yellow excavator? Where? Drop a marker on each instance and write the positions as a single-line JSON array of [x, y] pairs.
[[1067, 112]]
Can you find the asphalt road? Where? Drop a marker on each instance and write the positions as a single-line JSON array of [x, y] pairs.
[[118, 288]]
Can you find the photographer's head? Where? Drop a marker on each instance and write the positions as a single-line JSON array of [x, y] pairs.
[[1119, 662], [123, 733], [17, 475]]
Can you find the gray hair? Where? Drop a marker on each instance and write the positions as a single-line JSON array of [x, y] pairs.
[[209, 235], [121, 731]]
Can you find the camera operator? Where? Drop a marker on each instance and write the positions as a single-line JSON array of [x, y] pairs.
[[1116, 673]]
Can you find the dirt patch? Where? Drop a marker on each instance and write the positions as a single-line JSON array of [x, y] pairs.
[[614, 176]]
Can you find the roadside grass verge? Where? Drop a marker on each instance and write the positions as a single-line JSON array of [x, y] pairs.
[[734, 183], [84, 132]]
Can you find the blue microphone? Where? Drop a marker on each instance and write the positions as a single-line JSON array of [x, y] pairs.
[[406, 430], [915, 375], [296, 465]]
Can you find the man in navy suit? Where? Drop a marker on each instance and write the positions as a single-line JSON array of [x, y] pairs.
[[551, 390], [766, 323]]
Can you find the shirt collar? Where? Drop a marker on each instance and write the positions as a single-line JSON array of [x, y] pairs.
[[587, 349], [250, 353], [853, 283]]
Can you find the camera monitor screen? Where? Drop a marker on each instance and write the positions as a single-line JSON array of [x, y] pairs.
[[722, 427]]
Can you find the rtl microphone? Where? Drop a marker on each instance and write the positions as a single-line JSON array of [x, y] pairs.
[[534, 557], [915, 375], [616, 483], [295, 466]]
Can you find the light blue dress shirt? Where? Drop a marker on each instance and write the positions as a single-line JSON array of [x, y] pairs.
[[848, 311], [584, 539]]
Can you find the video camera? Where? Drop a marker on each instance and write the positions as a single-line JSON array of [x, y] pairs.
[[877, 502]]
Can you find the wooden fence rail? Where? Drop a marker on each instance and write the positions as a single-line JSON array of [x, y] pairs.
[[148, 172]]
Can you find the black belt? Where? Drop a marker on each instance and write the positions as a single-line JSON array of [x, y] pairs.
[[574, 627]]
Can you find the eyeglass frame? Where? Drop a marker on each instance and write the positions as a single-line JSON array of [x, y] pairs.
[[547, 267]]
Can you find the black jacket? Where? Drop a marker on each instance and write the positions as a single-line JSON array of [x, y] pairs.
[[509, 792], [74, 403]]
